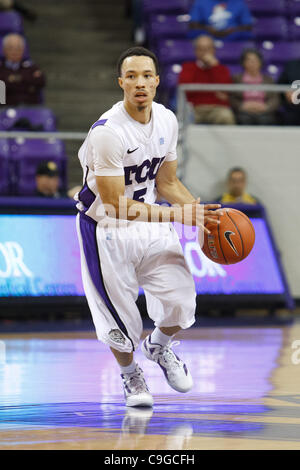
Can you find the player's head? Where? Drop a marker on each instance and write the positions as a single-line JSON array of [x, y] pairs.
[[236, 181], [138, 73]]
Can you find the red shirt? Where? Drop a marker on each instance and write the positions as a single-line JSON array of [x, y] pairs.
[[192, 72]]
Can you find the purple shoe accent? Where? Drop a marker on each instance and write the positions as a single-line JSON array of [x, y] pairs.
[[145, 345], [185, 369]]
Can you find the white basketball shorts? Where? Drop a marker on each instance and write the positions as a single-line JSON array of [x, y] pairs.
[[115, 262]]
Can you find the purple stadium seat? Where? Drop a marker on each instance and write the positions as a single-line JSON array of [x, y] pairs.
[[38, 116], [293, 8], [230, 52], [172, 51], [235, 69], [27, 154], [26, 55], [270, 28], [167, 6], [294, 28], [267, 7], [168, 26], [10, 22], [274, 71], [170, 75], [4, 167], [280, 52]]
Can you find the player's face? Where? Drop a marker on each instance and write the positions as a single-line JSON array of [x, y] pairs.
[[139, 81]]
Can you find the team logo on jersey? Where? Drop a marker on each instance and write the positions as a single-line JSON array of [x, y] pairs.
[[227, 235], [161, 141], [131, 151], [117, 336], [146, 170]]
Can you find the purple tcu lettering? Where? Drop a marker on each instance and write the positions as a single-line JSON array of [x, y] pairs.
[[147, 170]]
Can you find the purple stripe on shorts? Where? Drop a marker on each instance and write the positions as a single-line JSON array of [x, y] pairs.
[[88, 233], [101, 122]]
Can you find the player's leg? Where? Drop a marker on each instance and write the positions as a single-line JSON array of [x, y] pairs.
[[111, 293], [170, 295]]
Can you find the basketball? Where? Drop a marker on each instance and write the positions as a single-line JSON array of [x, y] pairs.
[[232, 240]]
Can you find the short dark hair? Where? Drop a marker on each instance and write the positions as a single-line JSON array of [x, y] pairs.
[[137, 51], [251, 50], [235, 170]]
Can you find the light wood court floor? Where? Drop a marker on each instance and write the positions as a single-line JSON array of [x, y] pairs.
[[63, 391]]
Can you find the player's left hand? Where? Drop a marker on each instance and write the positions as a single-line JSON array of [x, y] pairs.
[[211, 211]]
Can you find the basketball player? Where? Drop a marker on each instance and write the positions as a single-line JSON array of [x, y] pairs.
[[126, 240]]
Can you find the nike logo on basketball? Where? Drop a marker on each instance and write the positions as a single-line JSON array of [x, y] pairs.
[[131, 151], [227, 235]]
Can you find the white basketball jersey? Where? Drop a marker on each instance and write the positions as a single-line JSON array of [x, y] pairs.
[[140, 155]]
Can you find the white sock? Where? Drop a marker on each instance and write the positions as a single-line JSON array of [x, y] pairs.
[[128, 369], [158, 337]]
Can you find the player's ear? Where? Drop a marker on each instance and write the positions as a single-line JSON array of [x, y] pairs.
[[157, 78], [120, 81]]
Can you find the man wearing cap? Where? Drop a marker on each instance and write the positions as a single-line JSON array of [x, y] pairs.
[[47, 180]]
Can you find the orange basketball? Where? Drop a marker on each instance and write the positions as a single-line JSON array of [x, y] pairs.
[[230, 241]]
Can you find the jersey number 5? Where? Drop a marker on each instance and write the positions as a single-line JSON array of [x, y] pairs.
[[138, 195]]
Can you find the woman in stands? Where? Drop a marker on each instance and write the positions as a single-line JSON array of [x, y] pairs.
[[254, 107]]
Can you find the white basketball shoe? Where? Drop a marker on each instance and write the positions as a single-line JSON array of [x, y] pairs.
[[135, 389], [175, 370]]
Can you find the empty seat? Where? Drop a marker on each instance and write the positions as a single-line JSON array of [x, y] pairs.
[[274, 70], [172, 51], [267, 7], [294, 28], [293, 7], [27, 154], [270, 28], [168, 26], [280, 52], [4, 167], [10, 22], [40, 118], [230, 52], [167, 6], [170, 75]]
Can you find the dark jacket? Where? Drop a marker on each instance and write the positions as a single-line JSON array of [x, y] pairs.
[[23, 84]]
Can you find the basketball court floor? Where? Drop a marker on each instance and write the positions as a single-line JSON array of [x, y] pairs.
[[63, 391]]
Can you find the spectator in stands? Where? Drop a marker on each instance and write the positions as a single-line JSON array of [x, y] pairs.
[[47, 180], [209, 107], [230, 20], [291, 111], [254, 107], [24, 80], [237, 189], [16, 5]]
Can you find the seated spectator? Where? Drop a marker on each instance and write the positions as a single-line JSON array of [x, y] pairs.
[[47, 180], [291, 111], [236, 189], [24, 80], [230, 20], [254, 107], [209, 107]]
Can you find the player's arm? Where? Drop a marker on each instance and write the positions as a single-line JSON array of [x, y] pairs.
[[173, 191], [111, 190]]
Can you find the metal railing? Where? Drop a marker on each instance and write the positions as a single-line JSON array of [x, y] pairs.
[[184, 110]]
